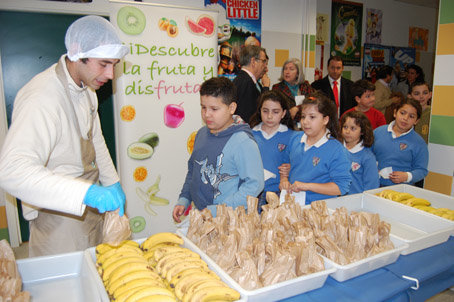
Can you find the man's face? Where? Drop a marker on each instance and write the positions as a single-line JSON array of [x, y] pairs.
[[335, 69], [260, 65], [95, 72]]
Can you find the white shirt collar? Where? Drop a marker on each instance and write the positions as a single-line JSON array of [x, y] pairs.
[[250, 74], [320, 142], [390, 129], [281, 128], [358, 147], [331, 80], [383, 82]]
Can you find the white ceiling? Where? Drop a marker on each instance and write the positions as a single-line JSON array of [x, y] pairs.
[[427, 3]]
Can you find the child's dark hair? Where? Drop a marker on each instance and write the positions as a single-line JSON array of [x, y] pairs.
[[219, 87], [361, 120], [275, 96], [419, 83], [411, 102], [326, 107], [360, 87]]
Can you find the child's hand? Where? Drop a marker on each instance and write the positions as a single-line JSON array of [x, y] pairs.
[[284, 170], [398, 177], [178, 210], [298, 186], [284, 185]]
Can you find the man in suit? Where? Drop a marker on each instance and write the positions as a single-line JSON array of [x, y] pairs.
[[334, 82], [254, 62], [382, 91]]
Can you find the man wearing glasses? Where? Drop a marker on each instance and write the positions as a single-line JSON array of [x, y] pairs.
[[254, 62]]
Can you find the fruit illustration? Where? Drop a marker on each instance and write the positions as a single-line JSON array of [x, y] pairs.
[[172, 29], [137, 224], [151, 139], [139, 151], [193, 27], [127, 113], [173, 115], [150, 198], [131, 20], [140, 174], [206, 22], [163, 23], [190, 142]]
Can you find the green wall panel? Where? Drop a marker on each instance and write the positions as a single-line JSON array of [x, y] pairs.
[[446, 11], [441, 130]]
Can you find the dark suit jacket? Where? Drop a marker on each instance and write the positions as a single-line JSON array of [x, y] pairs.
[[246, 95], [346, 99]]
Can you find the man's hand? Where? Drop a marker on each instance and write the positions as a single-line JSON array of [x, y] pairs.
[[266, 80]]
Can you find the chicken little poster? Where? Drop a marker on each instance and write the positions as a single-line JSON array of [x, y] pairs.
[[239, 23], [346, 25]]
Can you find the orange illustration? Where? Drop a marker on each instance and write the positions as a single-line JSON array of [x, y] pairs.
[[127, 113], [190, 142], [140, 173]]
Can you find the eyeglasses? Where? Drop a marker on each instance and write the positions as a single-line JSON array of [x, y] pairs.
[[263, 60]]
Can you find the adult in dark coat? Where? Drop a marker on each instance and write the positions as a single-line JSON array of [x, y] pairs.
[[254, 62], [335, 68]]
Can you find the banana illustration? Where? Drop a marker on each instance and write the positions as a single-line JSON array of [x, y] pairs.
[[135, 284], [215, 293], [144, 292], [184, 265], [199, 285], [158, 238], [182, 286], [134, 275], [130, 261]]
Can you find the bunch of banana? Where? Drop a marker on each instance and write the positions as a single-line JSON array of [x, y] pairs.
[[161, 238], [415, 202]]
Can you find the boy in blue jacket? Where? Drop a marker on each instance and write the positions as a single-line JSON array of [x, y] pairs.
[[225, 166]]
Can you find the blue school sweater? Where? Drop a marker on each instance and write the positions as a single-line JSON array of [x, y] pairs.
[[272, 152], [407, 153], [363, 169], [326, 163], [223, 169]]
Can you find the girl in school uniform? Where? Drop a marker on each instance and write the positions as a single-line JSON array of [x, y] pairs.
[[319, 164], [358, 137], [401, 153], [272, 127]]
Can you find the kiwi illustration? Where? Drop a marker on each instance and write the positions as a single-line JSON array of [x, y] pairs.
[[131, 20]]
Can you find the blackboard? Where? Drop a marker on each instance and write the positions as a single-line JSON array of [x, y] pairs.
[[31, 42]]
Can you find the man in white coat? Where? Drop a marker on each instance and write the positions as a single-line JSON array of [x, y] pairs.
[[54, 157]]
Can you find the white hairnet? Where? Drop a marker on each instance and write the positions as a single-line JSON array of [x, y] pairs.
[[93, 37]]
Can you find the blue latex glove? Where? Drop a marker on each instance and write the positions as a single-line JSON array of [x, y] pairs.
[[120, 194], [104, 199]]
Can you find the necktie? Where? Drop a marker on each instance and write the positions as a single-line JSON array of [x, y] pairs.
[[258, 86], [336, 93]]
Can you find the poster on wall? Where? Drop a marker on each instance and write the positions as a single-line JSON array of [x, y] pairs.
[[322, 28], [157, 104], [239, 23], [376, 56], [346, 25], [418, 38], [373, 26]]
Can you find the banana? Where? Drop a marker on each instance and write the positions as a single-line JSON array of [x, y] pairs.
[[186, 281], [175, 262], [416, 201], [402, 196], [384, 193], [104, 247], [135, 275], [215, 293], [117, 257], [136, 283], [184, 265], [119, 263], [161, 264], [157, 298], [149, 253], [149, 291], [101, 258], [199, 285], [159, 253], [158, 238], [188, 271], [126, 269], [124, 296]]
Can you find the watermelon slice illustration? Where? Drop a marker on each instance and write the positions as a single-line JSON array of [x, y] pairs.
[[194, 28], [206, 22]]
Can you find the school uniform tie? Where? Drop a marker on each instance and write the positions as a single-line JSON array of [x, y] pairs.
[[336, 93]]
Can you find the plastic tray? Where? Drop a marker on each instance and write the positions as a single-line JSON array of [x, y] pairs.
[[437, 200], [416, 228], [273, 292], [90, 256], [62, 277]]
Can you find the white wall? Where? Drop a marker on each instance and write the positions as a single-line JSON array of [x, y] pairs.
[[397, 18]]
